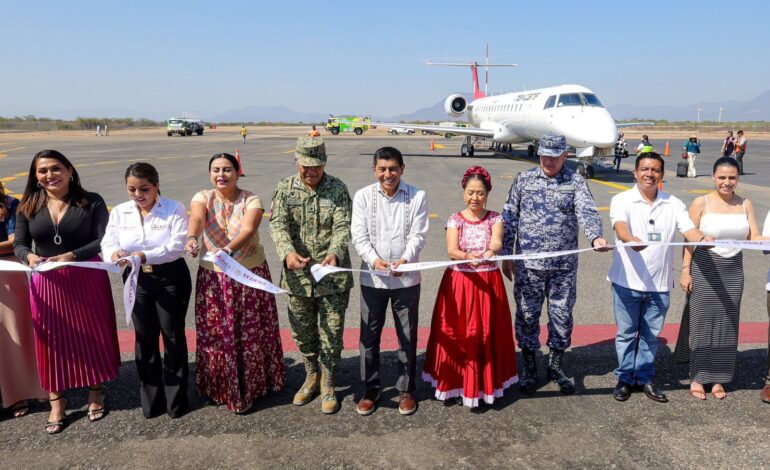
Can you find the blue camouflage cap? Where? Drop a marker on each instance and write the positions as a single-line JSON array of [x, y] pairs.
[[311, 151], [552, 145]]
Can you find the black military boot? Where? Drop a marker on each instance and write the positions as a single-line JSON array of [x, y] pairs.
[[528, 376], [556, 373]]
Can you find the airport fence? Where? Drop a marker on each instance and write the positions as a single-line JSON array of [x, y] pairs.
[[80, 124]]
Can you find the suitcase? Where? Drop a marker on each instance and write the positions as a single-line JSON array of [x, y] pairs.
[[681, 169]]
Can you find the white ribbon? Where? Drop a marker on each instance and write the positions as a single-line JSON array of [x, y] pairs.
[[239, 273], [129, 289], [759, 245], [320, 271]]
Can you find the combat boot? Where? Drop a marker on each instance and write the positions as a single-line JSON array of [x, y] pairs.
[[329, 402], [309, 388], [556, 373], [528, 376]]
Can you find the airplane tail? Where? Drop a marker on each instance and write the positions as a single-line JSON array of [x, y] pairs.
[[477, 93]]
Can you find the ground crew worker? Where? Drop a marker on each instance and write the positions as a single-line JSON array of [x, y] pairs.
[[542, 212], [243, 133], [313, 132], [310, 224], [644, 146]]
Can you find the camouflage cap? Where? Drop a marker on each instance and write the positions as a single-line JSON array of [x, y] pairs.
[[552, 145], [310, 151]]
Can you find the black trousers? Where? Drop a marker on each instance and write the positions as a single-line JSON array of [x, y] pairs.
[[160, 309], [405, 304]]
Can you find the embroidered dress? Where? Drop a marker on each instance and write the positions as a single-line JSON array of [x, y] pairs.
[[471, 352], [239, 354]]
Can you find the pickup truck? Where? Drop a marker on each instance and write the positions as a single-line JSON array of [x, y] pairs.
[[400, 131]]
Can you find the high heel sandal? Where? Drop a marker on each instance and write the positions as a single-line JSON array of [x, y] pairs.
[[55, 427], [95, 414], [20, 409]]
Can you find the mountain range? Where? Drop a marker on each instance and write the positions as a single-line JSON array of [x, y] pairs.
[[756, 109]]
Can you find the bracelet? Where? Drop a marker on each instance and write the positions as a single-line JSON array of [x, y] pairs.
[[685, 266], [192, 237], [228, 250]]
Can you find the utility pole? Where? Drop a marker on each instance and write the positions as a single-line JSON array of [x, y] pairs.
[[720, 113]]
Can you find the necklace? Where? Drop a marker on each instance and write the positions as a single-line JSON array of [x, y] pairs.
[[56, 238]]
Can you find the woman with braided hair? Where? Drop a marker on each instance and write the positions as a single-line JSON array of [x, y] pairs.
[[471, 353]]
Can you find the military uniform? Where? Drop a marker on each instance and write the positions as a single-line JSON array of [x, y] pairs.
[[314, 223], [542, 214]]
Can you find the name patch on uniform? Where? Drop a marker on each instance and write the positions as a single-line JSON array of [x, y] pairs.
[[325, 203], [567, 188]]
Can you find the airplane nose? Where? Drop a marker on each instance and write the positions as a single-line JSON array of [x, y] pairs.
[[598, 131]]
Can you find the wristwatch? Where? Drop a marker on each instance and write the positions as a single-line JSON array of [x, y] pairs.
[[228, 250]]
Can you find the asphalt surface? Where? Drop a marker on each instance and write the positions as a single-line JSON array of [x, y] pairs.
[[586, 430]]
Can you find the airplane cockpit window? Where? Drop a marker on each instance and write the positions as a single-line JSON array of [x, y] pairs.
[[570, 99], [592, 100], [550, 102]]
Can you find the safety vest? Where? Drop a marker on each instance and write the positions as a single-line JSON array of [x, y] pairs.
[[314, 134], [645, 149]]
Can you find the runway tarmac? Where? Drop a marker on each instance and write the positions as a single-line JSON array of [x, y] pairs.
[[545, 431]]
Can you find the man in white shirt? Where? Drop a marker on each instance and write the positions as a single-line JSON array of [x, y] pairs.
[[642, 277], [766, 389], [389, 226]]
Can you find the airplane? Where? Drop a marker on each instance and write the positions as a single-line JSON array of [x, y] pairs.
[[521, 117]]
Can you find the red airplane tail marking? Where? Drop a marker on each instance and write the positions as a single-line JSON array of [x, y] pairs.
[[477, 93]]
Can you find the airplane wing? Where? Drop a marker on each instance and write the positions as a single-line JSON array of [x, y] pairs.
[[474, 131], [621, 125]]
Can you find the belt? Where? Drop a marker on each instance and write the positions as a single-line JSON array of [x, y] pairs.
[[157, 268]]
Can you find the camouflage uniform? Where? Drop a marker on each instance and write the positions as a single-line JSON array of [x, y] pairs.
[[314, 224], [542, 214]]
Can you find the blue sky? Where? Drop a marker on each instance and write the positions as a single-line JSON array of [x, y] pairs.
[[360, 57]]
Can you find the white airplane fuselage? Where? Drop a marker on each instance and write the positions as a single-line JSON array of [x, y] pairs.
[[525, 116]]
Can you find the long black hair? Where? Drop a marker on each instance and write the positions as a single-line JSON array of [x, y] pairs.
[[227, 157], [35, 197]]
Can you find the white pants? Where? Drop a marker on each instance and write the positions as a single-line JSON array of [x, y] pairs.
[[691, 165]]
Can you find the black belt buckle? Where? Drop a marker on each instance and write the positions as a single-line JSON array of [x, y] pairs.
[[146, 268]]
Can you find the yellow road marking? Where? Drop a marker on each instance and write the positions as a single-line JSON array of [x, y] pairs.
[[11, 150], [17, 196], [8, 178], [603, 208], [507, 177], [290, 151], [699, 191], [433, 216], [610, 184], [23, 173]]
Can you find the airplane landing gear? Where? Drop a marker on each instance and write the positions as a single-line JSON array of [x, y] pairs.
[[467, 147], [586, 171]]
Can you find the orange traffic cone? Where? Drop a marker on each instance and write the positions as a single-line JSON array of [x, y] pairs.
[[432, 144], [666, 150], [240, 165]]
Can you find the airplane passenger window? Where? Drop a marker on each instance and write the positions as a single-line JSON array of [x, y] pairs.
[[592, 100], [570, 99], [550, 102]]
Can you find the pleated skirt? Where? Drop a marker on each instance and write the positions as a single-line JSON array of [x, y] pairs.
[[471, 352], [708, 337], [18, 367], [76, 338]]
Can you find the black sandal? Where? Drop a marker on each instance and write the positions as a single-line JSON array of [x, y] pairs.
[[20, 409], [96, 414], [55, 427]]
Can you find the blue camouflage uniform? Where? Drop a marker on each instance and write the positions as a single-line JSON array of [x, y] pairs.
[[542, 214]]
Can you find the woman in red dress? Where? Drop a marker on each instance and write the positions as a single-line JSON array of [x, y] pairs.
[[471, 353]]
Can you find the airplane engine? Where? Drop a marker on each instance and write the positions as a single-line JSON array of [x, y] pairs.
[[455, 105]]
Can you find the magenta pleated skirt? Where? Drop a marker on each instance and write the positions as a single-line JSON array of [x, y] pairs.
[[76, 337]]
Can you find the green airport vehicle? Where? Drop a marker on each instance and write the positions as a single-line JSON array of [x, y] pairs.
[[355, 124], [184, 126]]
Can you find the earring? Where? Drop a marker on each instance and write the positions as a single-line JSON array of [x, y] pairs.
[[39, 185], [72, 178]]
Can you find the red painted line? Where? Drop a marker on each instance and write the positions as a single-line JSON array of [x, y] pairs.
[[582, 335]]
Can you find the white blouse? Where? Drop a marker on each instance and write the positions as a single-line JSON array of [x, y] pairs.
[[161, 237]]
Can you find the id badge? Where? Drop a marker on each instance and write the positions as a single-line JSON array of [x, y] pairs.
[[654, 237]]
